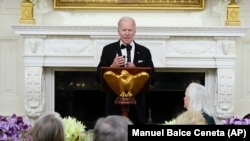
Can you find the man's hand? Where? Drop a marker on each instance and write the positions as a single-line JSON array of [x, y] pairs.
[[130, 64], [118, 61]]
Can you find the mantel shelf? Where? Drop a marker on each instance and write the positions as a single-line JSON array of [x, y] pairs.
[[141, 31]]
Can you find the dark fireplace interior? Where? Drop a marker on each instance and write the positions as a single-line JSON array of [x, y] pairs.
[[78, 94]]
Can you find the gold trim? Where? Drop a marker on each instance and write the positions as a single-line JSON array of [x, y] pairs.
[[131, 4]]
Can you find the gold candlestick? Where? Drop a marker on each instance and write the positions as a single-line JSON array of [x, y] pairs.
[[27, 13], [233, 14], [149, 116]]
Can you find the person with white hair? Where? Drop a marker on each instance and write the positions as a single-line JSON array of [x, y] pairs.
[[196, 98]]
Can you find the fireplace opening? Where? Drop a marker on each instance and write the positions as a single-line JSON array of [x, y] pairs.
[[78, 94], [163, 105]]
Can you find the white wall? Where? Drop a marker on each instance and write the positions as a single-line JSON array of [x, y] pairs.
[[11, 45]]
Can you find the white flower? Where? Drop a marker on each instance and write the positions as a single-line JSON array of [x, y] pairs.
[[171, 122], [73, 128]]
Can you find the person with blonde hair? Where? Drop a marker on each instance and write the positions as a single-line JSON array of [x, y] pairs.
[[48, 127], [196, 98], [191, 117]]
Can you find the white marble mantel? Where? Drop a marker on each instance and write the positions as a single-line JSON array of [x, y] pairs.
[[210, 48], [93, 31]]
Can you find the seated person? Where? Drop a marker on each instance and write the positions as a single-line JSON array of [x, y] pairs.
[[196, 98], [191, 117], [48, 127], [112, 128]]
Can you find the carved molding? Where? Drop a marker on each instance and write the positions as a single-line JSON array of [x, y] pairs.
[[190, 48], [225, 93], [34, 99], [67, 46]]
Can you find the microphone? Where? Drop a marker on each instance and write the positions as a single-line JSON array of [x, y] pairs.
[[128, 47]]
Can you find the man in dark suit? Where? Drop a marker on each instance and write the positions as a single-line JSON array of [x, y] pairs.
[[113, 56]]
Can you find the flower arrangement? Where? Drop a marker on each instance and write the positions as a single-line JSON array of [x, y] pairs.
[[73, 129], [15, 128], [237, 121], [170, 122]]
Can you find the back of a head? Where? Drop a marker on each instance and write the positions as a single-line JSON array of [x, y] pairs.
[[196, 93], [191, 117], [112, 128], [200, 100], [48, 127]]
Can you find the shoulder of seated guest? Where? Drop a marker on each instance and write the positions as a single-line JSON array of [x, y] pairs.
[[209, 119]]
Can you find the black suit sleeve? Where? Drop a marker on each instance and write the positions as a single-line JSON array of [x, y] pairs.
[[107, 57]]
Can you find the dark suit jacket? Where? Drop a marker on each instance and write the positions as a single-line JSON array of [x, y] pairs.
[[142, 58]]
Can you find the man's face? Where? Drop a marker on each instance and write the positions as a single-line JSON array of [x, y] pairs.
[[127, 31]]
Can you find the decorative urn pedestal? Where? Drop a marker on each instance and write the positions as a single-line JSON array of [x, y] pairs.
[[27, 13], [233, 14]]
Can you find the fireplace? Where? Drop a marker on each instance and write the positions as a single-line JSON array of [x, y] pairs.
[[174, 49], [78, 94]]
